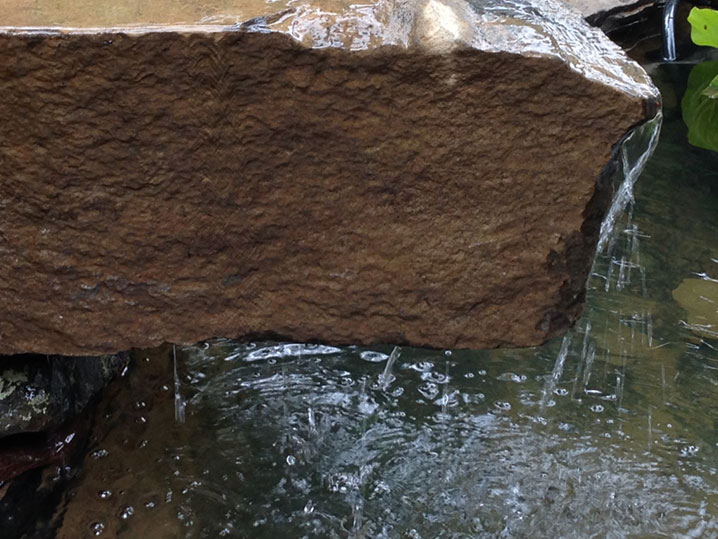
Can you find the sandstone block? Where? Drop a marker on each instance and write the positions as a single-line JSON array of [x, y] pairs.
[[428, 172]]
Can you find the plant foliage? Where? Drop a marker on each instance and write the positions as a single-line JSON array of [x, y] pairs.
[[704, 31], [700, 108], [704, 26]]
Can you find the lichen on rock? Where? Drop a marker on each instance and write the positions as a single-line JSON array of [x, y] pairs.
[[40, 393]]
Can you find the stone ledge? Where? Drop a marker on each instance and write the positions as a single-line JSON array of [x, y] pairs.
[[340, 176]]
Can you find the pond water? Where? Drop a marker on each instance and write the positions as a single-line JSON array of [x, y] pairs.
[[611, 431]]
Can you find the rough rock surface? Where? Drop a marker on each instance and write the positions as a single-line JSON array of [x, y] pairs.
[[40, 393], [430, 172]]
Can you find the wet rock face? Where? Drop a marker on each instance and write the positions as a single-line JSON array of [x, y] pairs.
[[427, 172], [43, 422], [596, 11], [40, 393]]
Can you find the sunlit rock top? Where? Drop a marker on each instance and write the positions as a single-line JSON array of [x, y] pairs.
[[539, 27]]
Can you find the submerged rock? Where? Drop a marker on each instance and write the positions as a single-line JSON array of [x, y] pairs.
[[699, 298], [430, 172]]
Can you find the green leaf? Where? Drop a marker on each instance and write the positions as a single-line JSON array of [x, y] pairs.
[[700, 111], [704, 26]]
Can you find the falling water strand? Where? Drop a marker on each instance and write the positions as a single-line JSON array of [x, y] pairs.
[[552, 382], [445, 392], [311, 420], [180, 403], [590, 356], [386, 376], [357, 514], [650, 426], [635, 151], [582, 363]]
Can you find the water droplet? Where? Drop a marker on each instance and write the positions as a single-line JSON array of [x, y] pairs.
[[447, 353], [97, 528], [469, 375], [598, 408], [382, 488], [150, 504], [309, 508], [435, 377], [104, 494], [503, 405], [422, 366], [512, 377], [429, 390], [127, 512], [291, 460], [373, 357], [99, 453]]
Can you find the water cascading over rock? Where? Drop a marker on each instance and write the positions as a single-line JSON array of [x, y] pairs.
[[429, 172]]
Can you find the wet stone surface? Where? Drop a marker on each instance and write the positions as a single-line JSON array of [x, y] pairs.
[[40, 393], [430, 173], [45, 417]]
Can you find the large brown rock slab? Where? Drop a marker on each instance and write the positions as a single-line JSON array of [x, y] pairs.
[[425, 172]]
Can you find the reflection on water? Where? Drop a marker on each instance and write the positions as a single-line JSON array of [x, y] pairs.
[[611, 430]]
